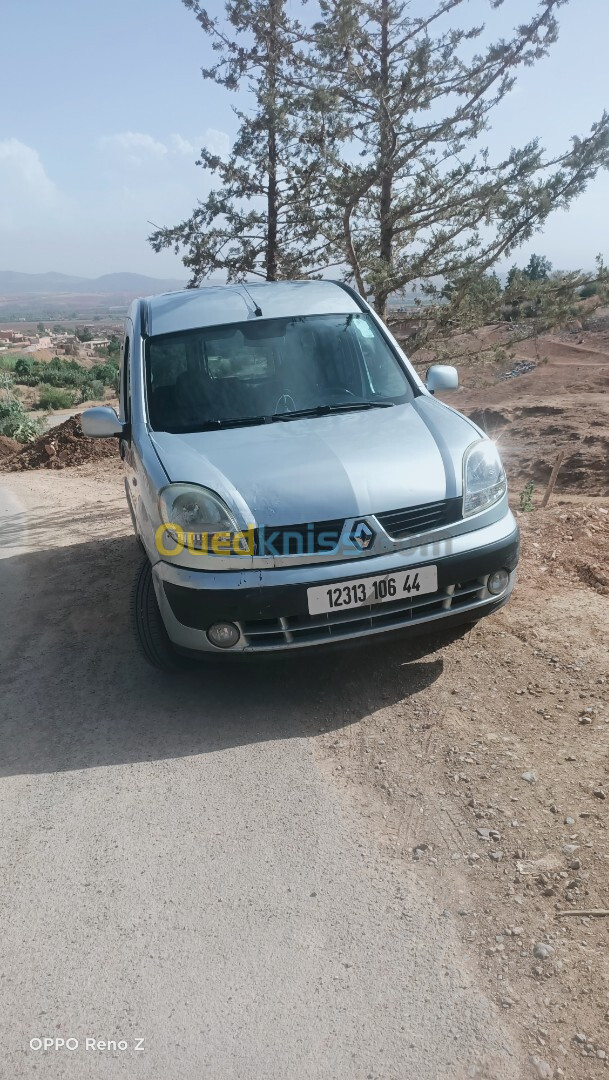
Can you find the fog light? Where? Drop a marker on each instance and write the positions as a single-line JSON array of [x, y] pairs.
[[223, 635], [497, 582]]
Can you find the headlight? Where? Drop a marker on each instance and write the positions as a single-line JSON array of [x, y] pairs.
[[484, 480], [201, 515]]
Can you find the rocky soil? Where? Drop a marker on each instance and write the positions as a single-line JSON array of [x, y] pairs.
[[561, 404], [8, 446], [491, 777], [477, 763], [61, 447]]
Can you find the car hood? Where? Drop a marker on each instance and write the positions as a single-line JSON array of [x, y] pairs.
[[337, 466]]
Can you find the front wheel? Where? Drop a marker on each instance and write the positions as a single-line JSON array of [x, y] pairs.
[[148, 625]]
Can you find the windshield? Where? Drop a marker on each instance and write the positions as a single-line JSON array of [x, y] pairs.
[[262, 371]]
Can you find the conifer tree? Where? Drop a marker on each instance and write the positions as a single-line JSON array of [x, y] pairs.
[[416, 192], [263, 216]]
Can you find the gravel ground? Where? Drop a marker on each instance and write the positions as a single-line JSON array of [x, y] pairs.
[[492, 780], [180, 866]]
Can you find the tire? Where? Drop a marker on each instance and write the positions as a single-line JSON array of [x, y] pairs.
[[148, 625]]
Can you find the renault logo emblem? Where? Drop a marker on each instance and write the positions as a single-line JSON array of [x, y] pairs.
[[361, 535]]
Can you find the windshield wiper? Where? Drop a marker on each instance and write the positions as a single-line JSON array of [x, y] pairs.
[[327, 410], [246, 421], [216, 425]]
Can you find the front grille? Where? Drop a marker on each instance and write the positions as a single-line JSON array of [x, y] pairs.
[[319, 629], [311, 538], [418, 519]]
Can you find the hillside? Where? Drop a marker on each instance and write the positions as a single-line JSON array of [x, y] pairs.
[[16, 284]]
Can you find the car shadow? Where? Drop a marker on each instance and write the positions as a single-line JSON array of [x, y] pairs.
[[75, 692]]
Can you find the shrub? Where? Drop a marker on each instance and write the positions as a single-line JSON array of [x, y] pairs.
[[60, 372], [24, 365], [588, 290], [526, 497], [14, 421], [92, 391], [64, 377], [106, 373], [52, 397]]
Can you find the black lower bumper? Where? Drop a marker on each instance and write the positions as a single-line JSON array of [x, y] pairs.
[[199, 608]]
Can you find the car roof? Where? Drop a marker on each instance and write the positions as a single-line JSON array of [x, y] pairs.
[[217, 305]]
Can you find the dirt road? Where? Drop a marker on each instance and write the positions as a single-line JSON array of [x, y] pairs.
[[179, 865]]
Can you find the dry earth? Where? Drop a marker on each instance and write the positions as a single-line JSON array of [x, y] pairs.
[[477, 765], [492, 779], [563, 404]]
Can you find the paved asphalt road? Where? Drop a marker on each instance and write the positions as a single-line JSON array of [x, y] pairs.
[[176, 868], [53, 419]]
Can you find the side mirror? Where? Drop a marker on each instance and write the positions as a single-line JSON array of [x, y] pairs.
[[101, 422], [441, 377]]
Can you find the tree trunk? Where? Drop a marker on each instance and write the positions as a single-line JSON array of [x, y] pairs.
[[271, 260], [385, 153], [271, 240]]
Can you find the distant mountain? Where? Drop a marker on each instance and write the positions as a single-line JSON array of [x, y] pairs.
[[13, 283]]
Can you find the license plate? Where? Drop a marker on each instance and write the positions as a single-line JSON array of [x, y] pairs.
[[380, 589]]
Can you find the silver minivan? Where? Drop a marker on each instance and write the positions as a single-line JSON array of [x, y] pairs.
[[292, 481]]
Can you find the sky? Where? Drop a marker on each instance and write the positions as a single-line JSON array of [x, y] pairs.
[[103, 111]]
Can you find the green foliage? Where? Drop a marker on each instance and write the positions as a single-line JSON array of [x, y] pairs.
[[40, 328], [107, 374], [526, 497], [534, 306], [92, 391], [14, 421], [537, 269], [550, 301], [53, 397], [24, 366], [477, 298], [589, 290], [363, 146], [268, 214], [65, 373], [84, 334]]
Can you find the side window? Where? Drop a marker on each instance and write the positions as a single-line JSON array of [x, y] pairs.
[[126, 383]]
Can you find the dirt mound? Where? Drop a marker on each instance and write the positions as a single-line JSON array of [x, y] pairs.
[[566, 544], [8, 446], [562, 405], [529, 437], [60, 448], [490, 420]]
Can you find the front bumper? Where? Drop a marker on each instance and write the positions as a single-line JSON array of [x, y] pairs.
[[270, 606]]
